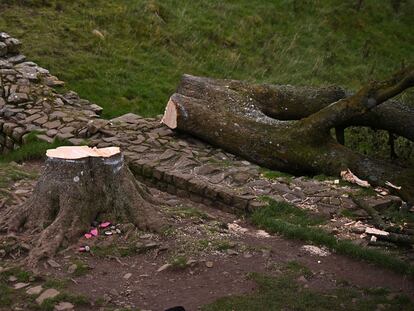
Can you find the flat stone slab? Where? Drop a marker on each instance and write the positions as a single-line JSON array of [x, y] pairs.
[[47, 294]]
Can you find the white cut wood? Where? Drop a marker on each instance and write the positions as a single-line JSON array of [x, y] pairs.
[[80, 152], [170, 115], [374, 231]]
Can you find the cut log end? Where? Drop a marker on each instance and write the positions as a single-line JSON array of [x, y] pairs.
[[170, 115], [80, 152]]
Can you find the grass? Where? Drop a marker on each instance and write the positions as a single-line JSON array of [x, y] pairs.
[[32, 149], [269, 174], [281, 218], [81, 268], [124, 250], [289, 213], [178, 262], [76, 300], [149, 44], [285, 293], [10, 296], [186, 212], [10, 172]]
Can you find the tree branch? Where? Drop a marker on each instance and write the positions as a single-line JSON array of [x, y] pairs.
[[367, 98]]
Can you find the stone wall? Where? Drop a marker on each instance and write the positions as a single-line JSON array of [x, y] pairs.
[[30, 101]]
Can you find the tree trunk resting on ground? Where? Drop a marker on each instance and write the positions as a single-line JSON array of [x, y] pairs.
[[232, 119], [80, 185], [288, 102]]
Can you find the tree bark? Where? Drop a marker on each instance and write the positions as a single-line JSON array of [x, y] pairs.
[[75, 190], [287, 102], [237, 122]]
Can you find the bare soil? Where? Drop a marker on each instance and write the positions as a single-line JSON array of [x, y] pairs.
[[211, 255]]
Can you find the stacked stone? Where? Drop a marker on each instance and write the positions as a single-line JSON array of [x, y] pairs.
[[172, 162], [29, 103], [187, 167]]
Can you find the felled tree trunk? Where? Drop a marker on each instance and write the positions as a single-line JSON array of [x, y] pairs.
[[236, 121], [78, 186], [289, 102]]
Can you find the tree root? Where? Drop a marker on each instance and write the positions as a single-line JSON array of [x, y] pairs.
[[70, 195]]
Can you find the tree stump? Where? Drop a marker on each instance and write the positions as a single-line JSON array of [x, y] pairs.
[[80, 185]]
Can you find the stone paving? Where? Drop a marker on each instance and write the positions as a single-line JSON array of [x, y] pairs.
[[173, 162]]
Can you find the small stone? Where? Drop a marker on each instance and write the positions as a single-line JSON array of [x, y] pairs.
[[209, 264], [127, 276], [247, 255], [374, 231], [113, 292], [12, 278], [314, 250], [95, 125], [40, 121], [232, 252], [45, 138], [72, 268], [36, 290], [302, 279], [64, 306], [127, 118], [48, 293], [16, 98], [164, 267], [53, 263], [3, 49], [52, 124], [20, 285]]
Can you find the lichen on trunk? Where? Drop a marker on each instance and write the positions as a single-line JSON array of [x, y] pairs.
[[240, 118]]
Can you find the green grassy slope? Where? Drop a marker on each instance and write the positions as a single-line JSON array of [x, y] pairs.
[[148, 44]]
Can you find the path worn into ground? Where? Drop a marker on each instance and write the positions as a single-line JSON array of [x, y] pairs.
[[221, 251]]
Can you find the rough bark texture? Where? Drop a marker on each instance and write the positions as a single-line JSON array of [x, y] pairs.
[[70, 194], [234, 120], [287, 102]]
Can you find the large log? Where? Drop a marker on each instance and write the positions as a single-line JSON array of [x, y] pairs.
[[80, 185], [235, 121], [289, 102]]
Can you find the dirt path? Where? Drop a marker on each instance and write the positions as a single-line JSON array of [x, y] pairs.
[[211, 255], [197, 284]]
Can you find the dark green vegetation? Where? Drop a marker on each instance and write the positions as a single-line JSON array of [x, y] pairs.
[[148, 44], [10, 173], [285, 293], [33, 149], [289, 221], [9, 296]]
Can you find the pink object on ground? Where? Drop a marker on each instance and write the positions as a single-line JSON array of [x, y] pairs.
[[105, 224], [94, 232], [88, 235], [83, 249]]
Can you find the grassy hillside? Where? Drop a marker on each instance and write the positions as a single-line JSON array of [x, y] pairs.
[[148, 44]]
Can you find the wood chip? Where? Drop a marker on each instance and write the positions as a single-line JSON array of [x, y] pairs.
[[374, 231]]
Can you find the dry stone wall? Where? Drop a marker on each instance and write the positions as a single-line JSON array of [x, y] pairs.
[[31, 103]]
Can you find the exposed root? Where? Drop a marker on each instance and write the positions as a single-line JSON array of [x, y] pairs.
[[70, 195]]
